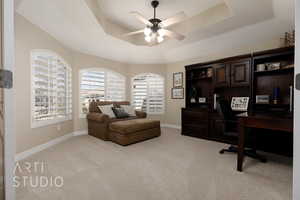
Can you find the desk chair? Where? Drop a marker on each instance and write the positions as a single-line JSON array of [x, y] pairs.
[[231, 130]]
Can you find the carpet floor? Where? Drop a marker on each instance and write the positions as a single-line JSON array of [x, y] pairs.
[[171, 167]]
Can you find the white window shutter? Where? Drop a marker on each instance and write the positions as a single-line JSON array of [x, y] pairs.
[[115, 90], [140, 92], [51, 89], [100, 85], [148, 93], [91, 88], [155, 94]]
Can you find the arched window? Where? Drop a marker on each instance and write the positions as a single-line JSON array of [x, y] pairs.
[[148, 93], [100, 84], [51, 89]]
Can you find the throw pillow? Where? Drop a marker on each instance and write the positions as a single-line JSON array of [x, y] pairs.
[[120, 112], [107, 110], [129, 109]]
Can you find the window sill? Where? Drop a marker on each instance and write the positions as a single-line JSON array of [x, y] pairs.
[[39, 124], [82, 116], [155, 113]]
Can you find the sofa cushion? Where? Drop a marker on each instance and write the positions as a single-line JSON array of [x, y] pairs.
[[107, 110], [120, 112], [135, 125], [93, 107], [129, 109]]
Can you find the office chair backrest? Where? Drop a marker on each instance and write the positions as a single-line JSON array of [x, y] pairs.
[[225, 110]]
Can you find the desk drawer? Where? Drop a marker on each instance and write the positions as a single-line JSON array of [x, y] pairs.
[[272, 124]]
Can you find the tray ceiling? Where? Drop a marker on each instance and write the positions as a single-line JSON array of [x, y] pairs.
[[95, 26]]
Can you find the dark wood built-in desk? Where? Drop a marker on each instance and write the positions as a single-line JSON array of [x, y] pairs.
[[274, 122]]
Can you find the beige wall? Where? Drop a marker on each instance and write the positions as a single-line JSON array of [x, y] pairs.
[[173, 114], [29, 37]]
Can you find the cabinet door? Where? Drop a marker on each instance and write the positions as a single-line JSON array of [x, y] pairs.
[[200, 130], [195, 123], [240, 73], [217, 129], [222, 75]]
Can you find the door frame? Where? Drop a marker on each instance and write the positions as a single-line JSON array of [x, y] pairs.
[[296, 163], [8, 55]]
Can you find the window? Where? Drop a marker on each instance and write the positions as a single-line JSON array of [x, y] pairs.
[[51, 88], [100, 84], [148, 93]]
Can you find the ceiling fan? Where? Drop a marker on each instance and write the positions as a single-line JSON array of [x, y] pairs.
[[155, 31]]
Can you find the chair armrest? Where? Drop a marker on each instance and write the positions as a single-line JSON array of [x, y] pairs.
[[140, 114], [99, 117]]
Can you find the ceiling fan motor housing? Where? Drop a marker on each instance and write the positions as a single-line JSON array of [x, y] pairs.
[[155, 23]]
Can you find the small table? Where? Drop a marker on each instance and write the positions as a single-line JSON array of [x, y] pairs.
[[264, 121]]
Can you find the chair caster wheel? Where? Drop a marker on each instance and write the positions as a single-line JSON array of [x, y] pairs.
[[221, 152], [263, 160]]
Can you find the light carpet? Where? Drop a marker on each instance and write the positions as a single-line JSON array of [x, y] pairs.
[[171, 167]]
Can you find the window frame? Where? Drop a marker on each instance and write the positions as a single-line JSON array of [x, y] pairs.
[[42, 123], [97, 69], [164, 93]]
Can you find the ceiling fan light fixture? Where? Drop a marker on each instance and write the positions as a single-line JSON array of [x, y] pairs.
[[156, 30], [148, 38], [147, 31], [162, 32], [160, 39]]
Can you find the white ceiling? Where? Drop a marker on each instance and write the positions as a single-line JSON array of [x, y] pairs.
[[75, 24]]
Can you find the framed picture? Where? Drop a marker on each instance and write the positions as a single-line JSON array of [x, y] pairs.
[[178, 79], [177, 93]]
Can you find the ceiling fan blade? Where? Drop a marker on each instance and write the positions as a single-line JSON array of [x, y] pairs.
[[173, 20], [133, 33], [141, 18], [173, 34]]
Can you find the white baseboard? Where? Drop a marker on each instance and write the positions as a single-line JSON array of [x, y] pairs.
[[25, 154], [171, 126], [79, 133]]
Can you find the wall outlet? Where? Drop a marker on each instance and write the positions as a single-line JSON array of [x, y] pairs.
[[58, 127]]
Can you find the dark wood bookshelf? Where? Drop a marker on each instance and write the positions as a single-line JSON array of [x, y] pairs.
[[237, 77], [276, 71]]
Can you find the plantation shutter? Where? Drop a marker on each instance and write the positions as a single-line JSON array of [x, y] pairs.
[[155, 94], [148, 93], [115, 90], [41, 87], [140, 90], [51, 88], [91, 87], [100, 85]]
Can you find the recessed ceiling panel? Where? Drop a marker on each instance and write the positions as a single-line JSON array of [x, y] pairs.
[[119, 10]]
